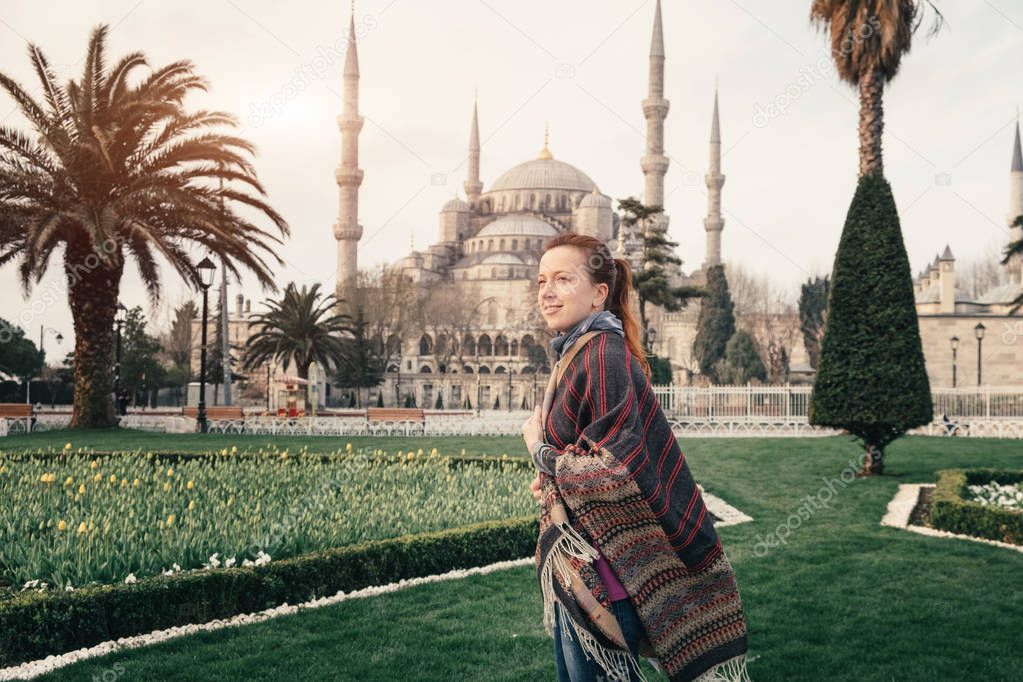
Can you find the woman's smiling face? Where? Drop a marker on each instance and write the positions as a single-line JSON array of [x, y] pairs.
[[566, 295]]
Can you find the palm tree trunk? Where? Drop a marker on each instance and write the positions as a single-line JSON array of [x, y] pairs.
[[92, 295], [871, 121]]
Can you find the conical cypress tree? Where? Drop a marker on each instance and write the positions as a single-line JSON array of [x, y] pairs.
[[716, 322], [380, 399], [871, 379]]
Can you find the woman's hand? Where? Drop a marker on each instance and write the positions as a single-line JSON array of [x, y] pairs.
[[532, 429], [534, 488]]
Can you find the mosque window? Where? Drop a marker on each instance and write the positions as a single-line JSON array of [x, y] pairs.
[[501, 345], [490, 245], [562, 202], [493, 273], [425, 344], [501, 244], [532, 201], [518, 201], [500, 205], [485, 346], [547, 201], [515, 245]]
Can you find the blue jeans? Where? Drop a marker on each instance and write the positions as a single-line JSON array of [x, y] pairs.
[[573, 665]]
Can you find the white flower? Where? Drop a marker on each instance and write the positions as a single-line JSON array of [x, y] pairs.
[[214, 561], [30, 583], [262, 558], [229, 563], [247, 562], [130, 579], [176, 567]]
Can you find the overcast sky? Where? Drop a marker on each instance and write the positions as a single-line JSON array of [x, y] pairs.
[[788, 124]]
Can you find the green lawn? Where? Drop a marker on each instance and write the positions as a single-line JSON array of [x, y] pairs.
[[842, 599]]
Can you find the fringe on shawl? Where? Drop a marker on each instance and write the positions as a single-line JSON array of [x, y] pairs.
[[732, 670], [615, 662]]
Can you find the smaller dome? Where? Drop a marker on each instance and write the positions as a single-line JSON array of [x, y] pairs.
[[595, 200], [513, 225], [456, 204], [502, 259]]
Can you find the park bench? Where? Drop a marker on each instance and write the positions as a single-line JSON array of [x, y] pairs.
[[407, 420], [221, 413], [16, 411]]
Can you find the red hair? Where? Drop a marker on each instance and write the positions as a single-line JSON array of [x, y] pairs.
[[616, 273]]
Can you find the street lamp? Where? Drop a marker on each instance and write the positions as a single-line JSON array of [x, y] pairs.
[[477, 380], [120, 317], [651, 334], [28, 384], [955, 347], [207, 270], [979, 333], [509, 388]]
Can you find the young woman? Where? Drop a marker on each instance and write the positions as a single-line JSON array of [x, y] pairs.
[[628, 559]]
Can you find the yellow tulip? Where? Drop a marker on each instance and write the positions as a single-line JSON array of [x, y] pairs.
[[234, 450], [190, 485], [94, 464], [113, 478], [170, 471], [170, 520], [61, 525], [135, 483], [67, 446], [97, 478], [81, 489], [166, 487], [191, 505], [82, 528], [124, 482]]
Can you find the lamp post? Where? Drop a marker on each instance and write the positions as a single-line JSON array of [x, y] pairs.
[[207, 270], [979, 333], [477, 380], [955, 347], [651, 334], [119, 318], [509, 388], [28, 384]]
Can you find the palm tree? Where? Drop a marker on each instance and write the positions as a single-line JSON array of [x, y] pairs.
[[868, 39], [116, 170], [301, 327]]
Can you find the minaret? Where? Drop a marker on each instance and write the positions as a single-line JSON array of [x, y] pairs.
[[714, 223], [655, 108], [1015, 206], [347, 230], [473, 186]]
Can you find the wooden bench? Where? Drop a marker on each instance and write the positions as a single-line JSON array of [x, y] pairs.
[[218, 412], [17, 411], [408, 419]]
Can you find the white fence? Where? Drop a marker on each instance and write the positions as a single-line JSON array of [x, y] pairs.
[[722, 411]]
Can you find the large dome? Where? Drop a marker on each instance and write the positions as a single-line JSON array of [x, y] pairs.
[[517, 225], [544, 174]]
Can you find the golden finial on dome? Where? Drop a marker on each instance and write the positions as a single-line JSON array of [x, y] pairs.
[[545, 153]]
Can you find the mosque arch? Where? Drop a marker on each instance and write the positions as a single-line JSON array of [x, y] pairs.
[[485, 346], [469, 345], [484, 369], [425, 369], [425, 344], [500, 244], [515, 244], [501, 345]]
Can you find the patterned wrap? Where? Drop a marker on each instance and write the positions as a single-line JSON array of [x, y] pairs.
[[622, 484]]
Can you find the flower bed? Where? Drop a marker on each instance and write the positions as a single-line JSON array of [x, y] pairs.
[[81, 518], [1007, 496], [954, 507]]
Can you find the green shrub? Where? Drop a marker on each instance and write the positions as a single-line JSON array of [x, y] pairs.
[[951, 509], [36, 624]]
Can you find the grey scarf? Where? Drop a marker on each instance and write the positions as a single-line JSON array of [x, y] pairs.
[[596, 321]]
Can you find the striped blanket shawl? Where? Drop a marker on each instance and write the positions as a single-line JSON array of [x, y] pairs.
[[622, 485]]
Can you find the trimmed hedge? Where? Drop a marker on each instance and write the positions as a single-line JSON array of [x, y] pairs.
[[36, 624], [951, 509]]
